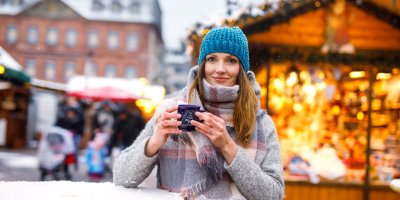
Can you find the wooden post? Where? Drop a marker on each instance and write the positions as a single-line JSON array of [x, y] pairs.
[[268, 66], [368, 148]]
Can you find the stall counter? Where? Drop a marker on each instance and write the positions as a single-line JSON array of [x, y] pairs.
[[299, 189]]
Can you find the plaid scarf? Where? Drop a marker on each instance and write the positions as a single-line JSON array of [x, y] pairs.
[[188, 163]]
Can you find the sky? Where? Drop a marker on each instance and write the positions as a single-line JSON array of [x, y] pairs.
[[180, 15]]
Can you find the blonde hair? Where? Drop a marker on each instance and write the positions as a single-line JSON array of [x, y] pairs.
[[245, 111]]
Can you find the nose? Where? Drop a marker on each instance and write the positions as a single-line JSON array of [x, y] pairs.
[[220, 66]]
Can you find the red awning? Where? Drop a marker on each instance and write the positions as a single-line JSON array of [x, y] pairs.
[[104, 93]]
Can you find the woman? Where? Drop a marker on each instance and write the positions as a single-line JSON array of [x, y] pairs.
[[234, 152]]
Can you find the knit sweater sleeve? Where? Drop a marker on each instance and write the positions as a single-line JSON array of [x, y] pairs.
[[132, 165], [264, 181]]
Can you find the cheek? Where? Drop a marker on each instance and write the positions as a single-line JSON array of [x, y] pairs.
[[234, 71], [208, 69]]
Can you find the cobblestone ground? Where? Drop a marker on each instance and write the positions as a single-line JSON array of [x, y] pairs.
[[22, 165]]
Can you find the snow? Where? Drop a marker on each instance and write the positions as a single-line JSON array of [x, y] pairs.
[[8, 9], [18, 160], [50, 190], [7, 60], [84, 9]]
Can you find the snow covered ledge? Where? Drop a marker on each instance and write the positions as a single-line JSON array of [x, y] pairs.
[[55, 190]]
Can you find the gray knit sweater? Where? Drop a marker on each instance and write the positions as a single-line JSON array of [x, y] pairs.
[[254, 181]]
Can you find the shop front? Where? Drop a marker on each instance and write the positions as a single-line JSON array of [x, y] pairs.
[[330, 77], [14, 100]]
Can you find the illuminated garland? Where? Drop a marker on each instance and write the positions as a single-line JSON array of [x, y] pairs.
[[260, 54]]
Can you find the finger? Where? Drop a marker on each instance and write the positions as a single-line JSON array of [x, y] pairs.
[[167, 112], [209, 120], [204, 128], [217, 119], [171, 131], [203, 116], [167, 116], [168, 129], [172, 109], [171, 123], [202, 131]]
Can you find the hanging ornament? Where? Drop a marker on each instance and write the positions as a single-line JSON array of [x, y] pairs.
[[337, 37]]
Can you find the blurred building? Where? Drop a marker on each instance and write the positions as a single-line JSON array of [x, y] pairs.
[[173, 75], [56, 39]]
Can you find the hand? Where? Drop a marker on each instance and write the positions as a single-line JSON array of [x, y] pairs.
[[215, 129], [166, 125]]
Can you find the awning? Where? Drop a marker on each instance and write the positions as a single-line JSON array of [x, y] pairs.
[[103, 93]]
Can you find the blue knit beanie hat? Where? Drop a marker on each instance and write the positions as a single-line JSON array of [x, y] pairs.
[[226, 40]]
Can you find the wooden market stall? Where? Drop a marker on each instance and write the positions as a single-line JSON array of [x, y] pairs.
[[14, 100], [330, 78]]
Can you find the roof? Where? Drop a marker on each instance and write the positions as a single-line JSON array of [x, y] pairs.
[[270, 18], [7, 60], [84, 8], [150, 10], [260, 17], [11, 69], [9, 9]]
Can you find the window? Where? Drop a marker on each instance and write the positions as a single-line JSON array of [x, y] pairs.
[[52, 36], [69, 70], [71, 37], [92, 70], [111, 70], [30, 67], [12, 34], [32, 35], [93, 39], [130, 72], [132, 42], [116, 7], [134, 8], [112, 40], [50, 70], [97, 5]]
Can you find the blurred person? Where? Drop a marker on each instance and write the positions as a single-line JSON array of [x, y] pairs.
[[127, 127], [104, 119], [233, 153], [55, 145], [95, 158], [70, 116]]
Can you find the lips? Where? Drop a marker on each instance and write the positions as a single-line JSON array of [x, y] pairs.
[[220, 79]]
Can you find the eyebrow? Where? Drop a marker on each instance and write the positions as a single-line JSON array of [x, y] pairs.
[[233, 57]]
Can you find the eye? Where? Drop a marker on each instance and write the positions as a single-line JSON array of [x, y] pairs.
[[232, 61], [210, 59]]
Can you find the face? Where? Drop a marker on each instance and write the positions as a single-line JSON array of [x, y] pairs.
[[221, 69]]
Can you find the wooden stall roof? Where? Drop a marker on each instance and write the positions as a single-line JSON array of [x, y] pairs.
[[374, 28], [366, 30]]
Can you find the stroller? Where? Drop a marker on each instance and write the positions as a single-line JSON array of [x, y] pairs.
[[55, 144]]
